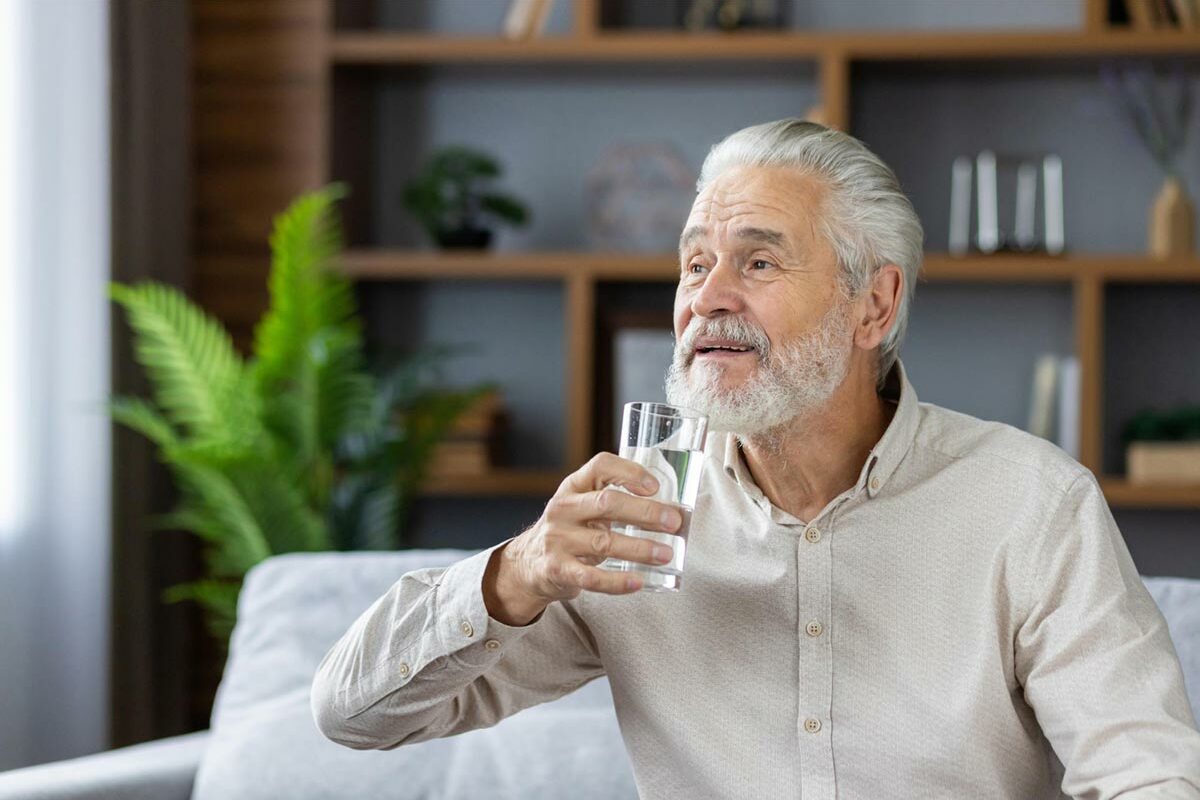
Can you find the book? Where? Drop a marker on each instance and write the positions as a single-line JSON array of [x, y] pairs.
[[1143, 13], [1068, 405], [540, 16], [1042, 398], [460, 458], [518, 22], [1186, 13]]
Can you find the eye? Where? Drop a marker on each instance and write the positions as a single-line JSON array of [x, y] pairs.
[[756, 262], [691, 268]]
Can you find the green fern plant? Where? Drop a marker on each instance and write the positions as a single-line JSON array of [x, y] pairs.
[[300, 447]]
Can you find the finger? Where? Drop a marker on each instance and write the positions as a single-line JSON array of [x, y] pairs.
[[594, 579], [606, 469], [597, 544], [609, 504]]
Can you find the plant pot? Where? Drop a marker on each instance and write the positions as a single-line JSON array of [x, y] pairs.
[[1163, 462], [1171, 222], [465, 238]]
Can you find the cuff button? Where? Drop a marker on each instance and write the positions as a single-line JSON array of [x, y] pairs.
[[467, 629]]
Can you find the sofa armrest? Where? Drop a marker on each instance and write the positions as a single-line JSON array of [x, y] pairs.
[[160, 770]]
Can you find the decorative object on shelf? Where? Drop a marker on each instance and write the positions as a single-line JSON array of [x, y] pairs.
[[1003, 181], [1054, 401], [526, 19], [731, 15], [450, 200], [472, 445], [638, 197], [1163, 446], [299, 447], [1160, 117], [634, 349]]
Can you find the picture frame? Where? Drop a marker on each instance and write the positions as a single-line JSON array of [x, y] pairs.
[[634, 352]]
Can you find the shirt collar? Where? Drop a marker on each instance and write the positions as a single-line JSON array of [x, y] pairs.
[[884, 457]]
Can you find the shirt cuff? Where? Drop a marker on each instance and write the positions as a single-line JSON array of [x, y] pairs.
[[469, 634]]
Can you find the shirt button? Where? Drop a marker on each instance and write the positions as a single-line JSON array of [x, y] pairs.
[[812, 724], [814, 628], [404, 670], [813, 535], [874, 484], [467, 629], [492, 644]]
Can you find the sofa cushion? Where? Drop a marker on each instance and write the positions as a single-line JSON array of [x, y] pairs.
[[265, 744], [1179, 600]]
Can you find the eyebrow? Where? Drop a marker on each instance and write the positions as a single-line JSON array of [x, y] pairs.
[[760, 235]]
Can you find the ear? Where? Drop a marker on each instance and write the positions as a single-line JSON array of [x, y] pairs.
[[879, 306]]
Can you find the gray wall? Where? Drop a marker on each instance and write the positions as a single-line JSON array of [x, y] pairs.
[[549, 127]]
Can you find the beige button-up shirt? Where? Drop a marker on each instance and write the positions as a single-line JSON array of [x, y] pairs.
[[964, 622]]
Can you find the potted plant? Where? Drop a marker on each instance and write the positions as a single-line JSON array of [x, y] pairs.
[[1160, 117], [451, 200], [1163, 446], [298, 447]]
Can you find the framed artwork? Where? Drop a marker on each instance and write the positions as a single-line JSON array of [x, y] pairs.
[[635, 351]]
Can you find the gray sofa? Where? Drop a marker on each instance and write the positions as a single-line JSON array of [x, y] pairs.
[[263, 743]]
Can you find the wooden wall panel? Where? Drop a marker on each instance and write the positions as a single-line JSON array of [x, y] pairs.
[[259, 89]]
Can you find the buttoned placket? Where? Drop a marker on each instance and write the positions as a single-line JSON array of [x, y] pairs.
[[814, 598]]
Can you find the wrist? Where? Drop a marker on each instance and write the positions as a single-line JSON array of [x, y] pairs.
[[505, 602]]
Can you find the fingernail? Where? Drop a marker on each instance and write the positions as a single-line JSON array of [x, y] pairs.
[[633, 583], [671, 519], [663, 553], [650, 483]]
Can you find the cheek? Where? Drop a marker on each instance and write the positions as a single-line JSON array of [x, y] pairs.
[[682, 316]]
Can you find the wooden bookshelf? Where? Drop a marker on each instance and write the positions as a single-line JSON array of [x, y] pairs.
[[353, 50]]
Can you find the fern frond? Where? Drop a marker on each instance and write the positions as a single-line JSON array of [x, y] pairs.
[[197, 376], [138, 415], [226, 513], [218, 598], [307, 294]]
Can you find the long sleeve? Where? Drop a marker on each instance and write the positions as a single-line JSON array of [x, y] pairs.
[[426, 660], [1097, 663]]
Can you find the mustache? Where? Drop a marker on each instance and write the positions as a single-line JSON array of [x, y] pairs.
[[735, 328]]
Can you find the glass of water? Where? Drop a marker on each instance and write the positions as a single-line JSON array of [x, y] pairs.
[[669, 442]]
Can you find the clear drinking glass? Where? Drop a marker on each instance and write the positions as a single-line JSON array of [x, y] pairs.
[[669, 442]]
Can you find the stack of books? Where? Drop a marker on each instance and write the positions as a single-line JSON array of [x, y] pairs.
[[1054, 401], [472, 445]]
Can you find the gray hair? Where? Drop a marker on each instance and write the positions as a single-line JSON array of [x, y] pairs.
[[867, 219]]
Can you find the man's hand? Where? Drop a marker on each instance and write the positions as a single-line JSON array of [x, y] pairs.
[[555, 559]]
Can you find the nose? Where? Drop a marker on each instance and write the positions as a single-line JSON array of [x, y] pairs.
[[721, 292]]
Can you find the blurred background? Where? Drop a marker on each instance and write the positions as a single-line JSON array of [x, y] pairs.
[[511, 177]]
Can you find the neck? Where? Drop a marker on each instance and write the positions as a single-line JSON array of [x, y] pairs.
[[803, 464]]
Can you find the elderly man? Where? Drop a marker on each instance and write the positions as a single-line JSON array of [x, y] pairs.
[[884, 598]]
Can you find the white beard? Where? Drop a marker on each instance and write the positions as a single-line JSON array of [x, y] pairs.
[[790, 384]]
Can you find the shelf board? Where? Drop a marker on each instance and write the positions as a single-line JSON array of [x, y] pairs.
[[382, 264], [1020, 267], [498, 483], [1122, 493], [371, 47]]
